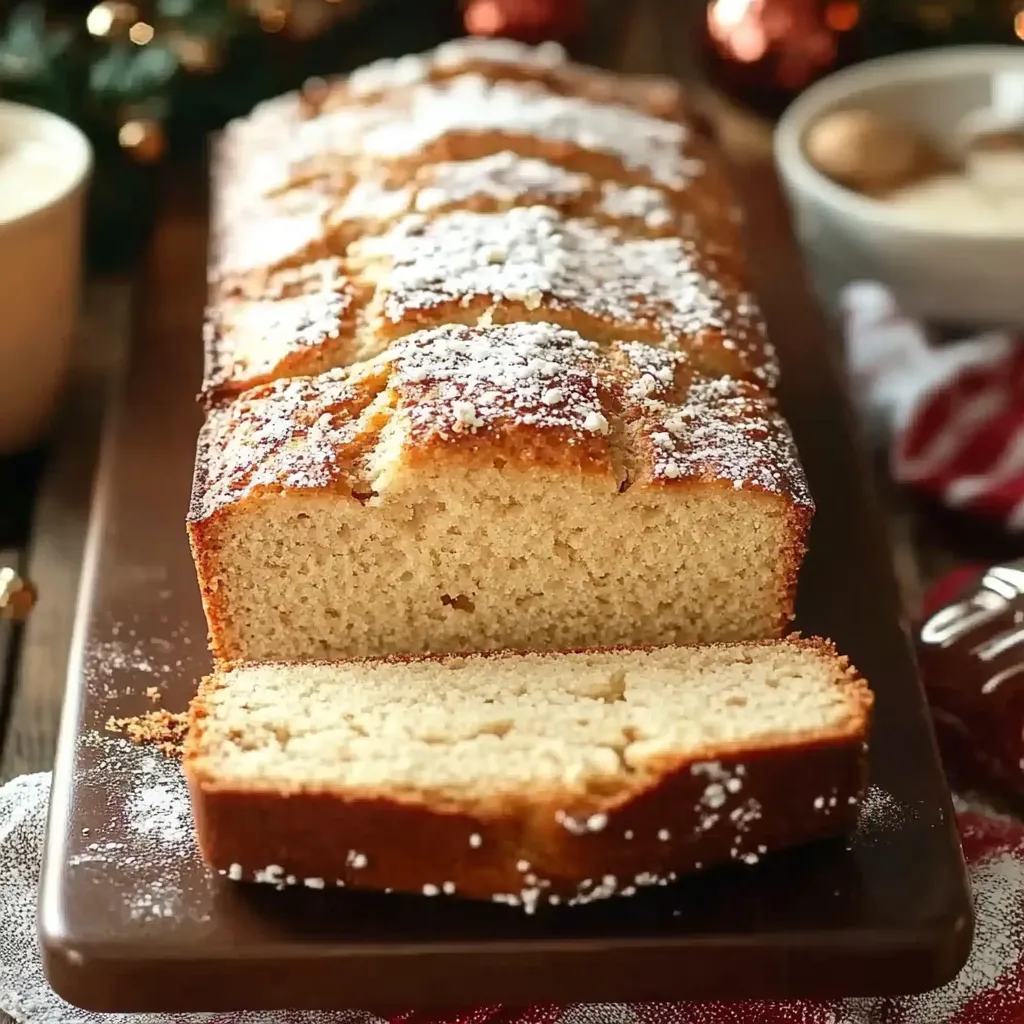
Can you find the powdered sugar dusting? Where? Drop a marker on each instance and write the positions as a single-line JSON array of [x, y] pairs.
[[710, 428], [461, 379], [244, 338], [727, 430], [372, 200], [536, 893], [456, 382], [155, 841], [471, 103], [103, 659], [298, 434], [880, 812], [652, 287], [456, 52], [313, 278], [989, 987], [502, 176], [412, 69], [994, 967], [284, 231], [142, 660], [158, 810], [401, 125], [306, 320], [639, 202]]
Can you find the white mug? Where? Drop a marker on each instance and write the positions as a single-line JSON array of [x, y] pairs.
[[44, 166]]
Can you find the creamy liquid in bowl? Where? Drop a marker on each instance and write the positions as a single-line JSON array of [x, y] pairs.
[[32, 173], [990, 200]]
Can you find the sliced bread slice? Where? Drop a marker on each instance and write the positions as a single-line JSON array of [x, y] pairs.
[[525, 778]]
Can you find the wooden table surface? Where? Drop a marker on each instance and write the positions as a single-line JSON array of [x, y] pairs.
[[654, 36]]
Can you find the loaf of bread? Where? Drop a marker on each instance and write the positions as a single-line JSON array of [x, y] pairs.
[[484, 372], [525, 778], [465, 153], [514, 486]]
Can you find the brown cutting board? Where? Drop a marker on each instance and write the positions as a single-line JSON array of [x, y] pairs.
[[132, 921]]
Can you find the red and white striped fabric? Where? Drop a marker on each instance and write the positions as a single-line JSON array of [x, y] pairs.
[[955, 413]]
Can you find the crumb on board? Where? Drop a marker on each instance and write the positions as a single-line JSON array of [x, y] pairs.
[[153, 693], [163, 730]]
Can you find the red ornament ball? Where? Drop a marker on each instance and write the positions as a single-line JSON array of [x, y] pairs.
[[529, 21]]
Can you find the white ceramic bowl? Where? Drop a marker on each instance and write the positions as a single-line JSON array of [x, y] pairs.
[[951, 276], [40, 270]]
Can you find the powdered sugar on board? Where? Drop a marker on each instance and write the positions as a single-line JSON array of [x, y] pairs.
[[147, 836], [145, 660], [880, 812], [24, 993]]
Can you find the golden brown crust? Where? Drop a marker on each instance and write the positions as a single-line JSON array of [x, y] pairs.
[[317, 836], [520, 264], [298, 321], [483, 130], [529, 263], [496, 60], [720, 804], [499, 181], [529, 393], [304, 161], [505, 60]]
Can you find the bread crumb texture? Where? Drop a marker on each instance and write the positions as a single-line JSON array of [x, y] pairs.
[[481, 729], [163, 730]]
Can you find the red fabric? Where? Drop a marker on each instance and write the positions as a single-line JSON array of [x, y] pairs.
[[954, 413], [950, 588], [969, 433]]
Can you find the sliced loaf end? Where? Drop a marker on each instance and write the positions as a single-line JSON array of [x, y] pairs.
[[525, 778]]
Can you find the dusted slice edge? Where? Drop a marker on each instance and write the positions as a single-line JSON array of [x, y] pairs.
[[525, 778]]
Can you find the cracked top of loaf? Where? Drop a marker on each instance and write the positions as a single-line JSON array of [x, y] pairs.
[[485, 252], [607, 279], [522, 394], [287, 161], [463, 118]]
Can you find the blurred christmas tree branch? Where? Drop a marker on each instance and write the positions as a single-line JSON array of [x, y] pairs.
[[148, 81]]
